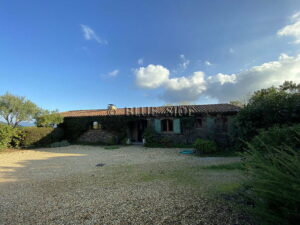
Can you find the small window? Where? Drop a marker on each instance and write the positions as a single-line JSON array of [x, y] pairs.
[[95, 125], [198, 123], [167, 125]]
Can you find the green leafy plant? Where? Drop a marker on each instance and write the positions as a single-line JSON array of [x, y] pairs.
[[277, 137], [205, 146], [15, 109], [274, 181], [48, 119], [41, 136], [10, 137], [151, 137], [267, 107]]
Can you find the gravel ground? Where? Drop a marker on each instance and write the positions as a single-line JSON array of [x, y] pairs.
[[135, 185]]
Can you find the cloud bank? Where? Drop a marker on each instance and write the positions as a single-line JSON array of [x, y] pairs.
[[224, 87], [293, 29]]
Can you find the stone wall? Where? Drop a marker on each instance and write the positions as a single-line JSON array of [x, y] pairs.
[[97, 136], [214, 127]]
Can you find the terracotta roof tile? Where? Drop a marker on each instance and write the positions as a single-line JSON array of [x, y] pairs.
[[162, 110]]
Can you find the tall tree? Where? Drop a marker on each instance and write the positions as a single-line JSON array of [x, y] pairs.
[[48, 118], [15, 109], [290, 86]]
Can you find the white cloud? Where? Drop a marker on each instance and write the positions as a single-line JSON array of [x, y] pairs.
[[140, 61], [184, 62], [236, 86], [113, 73], [176, 89], [207, 63], [222, 78], [292, 29], [90, 34], [184, 88], [224, 87], [231, 50], [152, 76]]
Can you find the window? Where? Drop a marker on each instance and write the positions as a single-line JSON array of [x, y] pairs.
[[198, 123], [167, 125], [95, 125]]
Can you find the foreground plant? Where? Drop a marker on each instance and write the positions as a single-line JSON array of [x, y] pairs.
[[274, 180]]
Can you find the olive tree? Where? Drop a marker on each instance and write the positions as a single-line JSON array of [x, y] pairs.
[[48, 118], [15, 109]]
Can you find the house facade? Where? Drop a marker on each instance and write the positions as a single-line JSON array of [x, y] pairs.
[[178, 124]]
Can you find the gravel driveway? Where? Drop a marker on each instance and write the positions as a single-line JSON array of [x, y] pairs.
[[132, 185]]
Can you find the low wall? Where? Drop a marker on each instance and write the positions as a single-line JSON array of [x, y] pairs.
[[97, 136]]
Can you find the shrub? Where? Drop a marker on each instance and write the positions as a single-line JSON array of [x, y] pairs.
[[205, 146], [9, 136], [266, 108], [151, 137], [274, 181], [277, 137], [41, 136], [166, 142], [112, 141], [48, 119]]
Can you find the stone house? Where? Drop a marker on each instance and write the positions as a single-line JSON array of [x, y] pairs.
[[176, 123]]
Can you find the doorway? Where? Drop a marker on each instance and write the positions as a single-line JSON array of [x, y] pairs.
[[137, 129]]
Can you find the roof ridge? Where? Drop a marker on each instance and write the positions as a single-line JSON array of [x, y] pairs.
[[208, 108], [163, 106]]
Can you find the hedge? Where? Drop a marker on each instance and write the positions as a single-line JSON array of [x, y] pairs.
[[41, 136], [9, 137]]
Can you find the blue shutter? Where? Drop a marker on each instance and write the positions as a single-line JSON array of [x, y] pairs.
[[157, 125], [210, 121], [176, 126]]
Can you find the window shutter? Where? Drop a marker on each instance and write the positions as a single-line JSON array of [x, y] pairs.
[[176, 126], [210, 121], [157, 125]]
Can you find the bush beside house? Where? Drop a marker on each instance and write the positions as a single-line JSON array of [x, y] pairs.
[[273, 174], [10, 137], [29, 136], [41, 136], [268, 129], [205, 146]]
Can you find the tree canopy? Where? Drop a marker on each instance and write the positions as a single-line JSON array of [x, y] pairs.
[[268, 107], [15, 109], [48, 118]]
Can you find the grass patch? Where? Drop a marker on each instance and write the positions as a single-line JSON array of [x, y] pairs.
[[227, 166], [111, 147], [228, 188]]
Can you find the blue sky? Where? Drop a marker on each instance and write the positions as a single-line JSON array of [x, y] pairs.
[[70, 55]]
